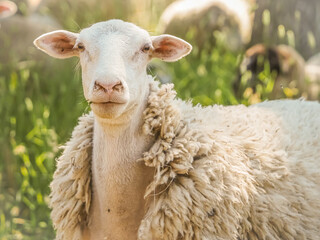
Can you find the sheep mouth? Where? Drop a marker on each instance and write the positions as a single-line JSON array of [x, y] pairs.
[[107, 103]]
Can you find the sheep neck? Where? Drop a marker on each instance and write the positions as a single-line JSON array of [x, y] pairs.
[[118, 180]]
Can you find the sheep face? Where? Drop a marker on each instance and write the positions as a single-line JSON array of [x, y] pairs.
[[114, 57]]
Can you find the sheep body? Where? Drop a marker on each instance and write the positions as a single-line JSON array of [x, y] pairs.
[[221, 172], [234, 172], [295, 22], [312, 72], [17, 33], [206, 173], [231, 17], [287, 64], [291, 71]]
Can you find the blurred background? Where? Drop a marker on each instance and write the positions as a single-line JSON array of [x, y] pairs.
[[244, 52]]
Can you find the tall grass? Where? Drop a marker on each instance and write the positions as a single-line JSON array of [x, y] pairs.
[[38, 111]]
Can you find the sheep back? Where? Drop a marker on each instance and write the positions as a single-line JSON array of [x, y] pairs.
[[232, 172], [220, 172]]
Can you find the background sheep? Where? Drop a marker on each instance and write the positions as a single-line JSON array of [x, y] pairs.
[[285, 65], [210, 173], [231, 23], [291, 22], [7, 8], [20, 30], [312, 71], [232, 19], [290, 77]]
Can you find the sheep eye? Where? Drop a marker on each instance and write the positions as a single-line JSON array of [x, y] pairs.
[[146, 48], [80, 46]]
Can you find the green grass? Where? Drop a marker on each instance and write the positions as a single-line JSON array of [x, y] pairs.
[[39, 110]]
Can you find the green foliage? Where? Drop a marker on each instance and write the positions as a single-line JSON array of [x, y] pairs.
[[36, 107], [207, 74], [254, 91]]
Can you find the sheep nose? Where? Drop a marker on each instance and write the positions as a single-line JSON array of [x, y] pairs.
[[108, 87]]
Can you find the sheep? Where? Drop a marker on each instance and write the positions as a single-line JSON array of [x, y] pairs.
[[312, 72], [292, 73], [7, 9], [18, 32], [290, 22], [285, 63], [232, 18], [146, 165]]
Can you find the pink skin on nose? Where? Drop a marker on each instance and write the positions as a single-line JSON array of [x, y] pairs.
[[108, 87], [108, 92]]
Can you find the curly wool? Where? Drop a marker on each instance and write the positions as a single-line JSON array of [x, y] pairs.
[[70, 196], [220, 172]]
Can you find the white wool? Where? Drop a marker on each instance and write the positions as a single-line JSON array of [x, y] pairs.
[[71, 186], [312, 72], [206, 173], [221, 172], [240, 173], [188, 9]]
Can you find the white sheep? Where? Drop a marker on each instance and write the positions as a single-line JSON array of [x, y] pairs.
[[312, 72], [232, 17], [17, 33], [288, 21], [293, 76], [286, 64], [145, 165]]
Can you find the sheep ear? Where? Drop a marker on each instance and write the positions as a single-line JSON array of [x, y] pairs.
[[58, 44], [169, 48], [7, 9]]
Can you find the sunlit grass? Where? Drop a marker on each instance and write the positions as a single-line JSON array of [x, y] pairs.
[[38, 111]]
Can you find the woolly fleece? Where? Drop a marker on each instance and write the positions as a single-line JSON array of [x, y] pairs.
[[221, 172]]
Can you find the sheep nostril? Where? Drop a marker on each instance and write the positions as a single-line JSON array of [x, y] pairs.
[[97, 87], [108, 87], [118, 87]]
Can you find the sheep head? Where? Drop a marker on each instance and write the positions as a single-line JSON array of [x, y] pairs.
[[114, 57]]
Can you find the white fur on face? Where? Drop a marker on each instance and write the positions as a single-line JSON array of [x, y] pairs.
[[116, 56]]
